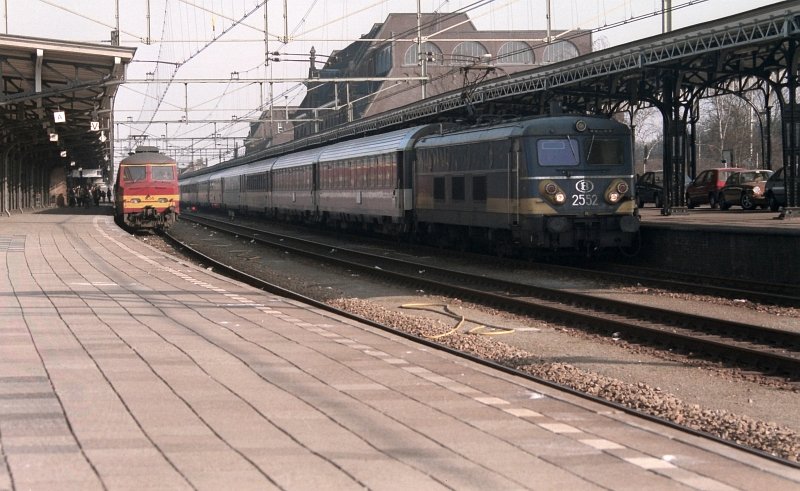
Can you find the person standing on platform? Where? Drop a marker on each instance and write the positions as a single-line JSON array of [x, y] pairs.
[[86, 197]]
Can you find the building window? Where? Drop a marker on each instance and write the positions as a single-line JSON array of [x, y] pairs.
[[432, 53], [383, 60], [515, 53], [560, 51], [468, 53]]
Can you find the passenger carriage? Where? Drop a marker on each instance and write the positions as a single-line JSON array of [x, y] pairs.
[[292, 178], [255, 186], [366, 182], [190, 189]]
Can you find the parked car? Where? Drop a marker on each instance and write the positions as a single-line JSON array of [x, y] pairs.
[[650, 188], [776, 191], [746, 188], [705, 187]]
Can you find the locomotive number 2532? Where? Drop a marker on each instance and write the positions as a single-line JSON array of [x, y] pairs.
[[584, 199]]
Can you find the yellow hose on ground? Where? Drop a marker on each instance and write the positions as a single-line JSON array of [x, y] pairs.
[[478, 330]]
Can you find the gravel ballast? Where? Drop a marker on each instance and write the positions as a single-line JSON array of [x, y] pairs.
[[742, 407]]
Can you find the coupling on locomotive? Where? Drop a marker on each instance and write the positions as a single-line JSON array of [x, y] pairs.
[[146, 190], [561, 183]]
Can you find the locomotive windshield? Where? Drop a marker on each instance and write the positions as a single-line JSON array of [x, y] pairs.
[[133, 173], [561, 152], [162, 173], [570, 152], [604, 152]]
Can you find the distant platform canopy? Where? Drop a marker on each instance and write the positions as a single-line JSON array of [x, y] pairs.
[[58, 95], [55, 115]]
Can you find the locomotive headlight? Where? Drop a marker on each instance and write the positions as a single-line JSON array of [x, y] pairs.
[[550, 191], [616, 191], [135, 200], [162, 200]]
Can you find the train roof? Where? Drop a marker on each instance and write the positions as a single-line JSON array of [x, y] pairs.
[[191, 180], [472, 135], [541, 125], [304, 157], [393, 141], [264, 165], [147, 155], [230, 171]]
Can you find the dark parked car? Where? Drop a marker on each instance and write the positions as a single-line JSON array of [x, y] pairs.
[[705, 187], [650, 188], [776, 191], [746, 188]]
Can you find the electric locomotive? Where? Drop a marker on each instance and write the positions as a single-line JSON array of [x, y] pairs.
[[146, 194], [552, 182]]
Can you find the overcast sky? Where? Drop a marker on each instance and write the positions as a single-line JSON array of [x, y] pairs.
[[181, 33]]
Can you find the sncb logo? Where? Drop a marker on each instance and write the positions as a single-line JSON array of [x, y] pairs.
[[584, 186]]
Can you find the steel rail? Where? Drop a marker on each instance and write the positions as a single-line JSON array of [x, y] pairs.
[[769, 350], [278, 290]]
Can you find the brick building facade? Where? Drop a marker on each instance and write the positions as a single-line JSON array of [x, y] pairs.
[[391, 50]]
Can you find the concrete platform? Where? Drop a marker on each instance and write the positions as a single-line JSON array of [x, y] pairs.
[[733, 246], [124, 368], [758, 221]]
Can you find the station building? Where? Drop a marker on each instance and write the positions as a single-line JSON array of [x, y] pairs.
[[454, 55]]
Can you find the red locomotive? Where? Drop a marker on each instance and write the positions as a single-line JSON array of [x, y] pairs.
[[146, 192]]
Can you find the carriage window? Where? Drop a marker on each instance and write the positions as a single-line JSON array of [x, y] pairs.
[[458, 188], [162, 173], [479, 188], [438, 188], [557, 152], [604, 152], [133, 173], [500, 154]]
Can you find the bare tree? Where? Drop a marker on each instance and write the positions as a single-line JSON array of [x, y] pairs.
[[648, 137], [731, 125]]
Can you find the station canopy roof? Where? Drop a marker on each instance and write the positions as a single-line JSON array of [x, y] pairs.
[[55, 87]]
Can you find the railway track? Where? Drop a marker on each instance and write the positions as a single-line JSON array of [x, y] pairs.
[[757, 292], [638, 409], [770, 351]]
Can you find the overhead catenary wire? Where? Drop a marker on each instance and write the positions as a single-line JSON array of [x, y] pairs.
[[299, 29], [469, 7], [90, 19], [192, 56]]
